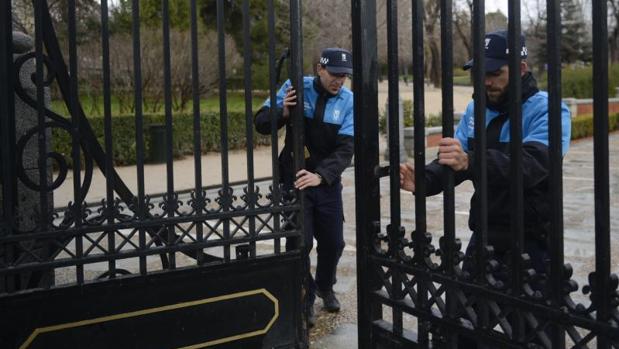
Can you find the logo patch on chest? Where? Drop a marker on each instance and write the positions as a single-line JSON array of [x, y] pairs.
[[336, 114], [471, 125]]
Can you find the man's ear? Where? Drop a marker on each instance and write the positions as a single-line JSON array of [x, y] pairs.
[[318, 68], [524, 67]]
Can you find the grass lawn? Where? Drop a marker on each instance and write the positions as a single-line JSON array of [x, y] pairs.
[[462, 80], [93, 107]]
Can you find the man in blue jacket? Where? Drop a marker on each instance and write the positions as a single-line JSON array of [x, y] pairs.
[[328, 111], [458, 154]]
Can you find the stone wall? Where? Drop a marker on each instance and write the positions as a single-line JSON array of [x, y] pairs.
[[585, 106]]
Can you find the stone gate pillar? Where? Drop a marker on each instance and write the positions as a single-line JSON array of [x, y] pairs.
[[28, 201]]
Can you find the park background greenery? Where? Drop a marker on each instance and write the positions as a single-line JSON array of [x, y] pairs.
[[325, 23]]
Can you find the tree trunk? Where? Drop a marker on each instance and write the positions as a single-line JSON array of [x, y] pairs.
[[431, 27], [435, 64]]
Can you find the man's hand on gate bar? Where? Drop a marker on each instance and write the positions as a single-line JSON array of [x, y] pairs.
[[450, 153], [290, 100], [407, 177]]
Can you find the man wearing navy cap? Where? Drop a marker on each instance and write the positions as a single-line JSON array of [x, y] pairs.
[[458, 154], [329, 145]]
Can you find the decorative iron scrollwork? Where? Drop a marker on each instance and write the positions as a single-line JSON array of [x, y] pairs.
[[58, 122]]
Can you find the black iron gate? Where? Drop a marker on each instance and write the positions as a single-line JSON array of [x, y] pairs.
[[411, 290], [185, 268]]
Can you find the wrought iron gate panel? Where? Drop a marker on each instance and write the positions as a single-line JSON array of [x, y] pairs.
[[217, 240], [404, 277]]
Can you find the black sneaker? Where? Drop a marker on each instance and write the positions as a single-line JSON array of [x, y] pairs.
[[329, 301], [311, 317]]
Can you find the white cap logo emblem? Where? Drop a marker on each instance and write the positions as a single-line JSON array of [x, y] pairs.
[[343, 57]]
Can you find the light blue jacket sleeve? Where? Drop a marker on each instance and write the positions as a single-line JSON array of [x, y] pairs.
[[280, 96], [462, 130]]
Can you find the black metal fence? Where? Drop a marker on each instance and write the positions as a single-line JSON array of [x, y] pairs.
[[134, 249], [413, 293]]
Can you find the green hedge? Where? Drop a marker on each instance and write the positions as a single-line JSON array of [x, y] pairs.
[[407, 109], [578, 82], [123, 135], [582, 126]]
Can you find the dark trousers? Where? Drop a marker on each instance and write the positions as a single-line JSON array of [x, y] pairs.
[[324, 221], [538, 254]]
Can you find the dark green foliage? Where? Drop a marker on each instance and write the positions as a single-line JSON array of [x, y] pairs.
[[575, 40], [582, 126], [150, 15], [259, 32], [407, 109], [578, 82], [124, 145]]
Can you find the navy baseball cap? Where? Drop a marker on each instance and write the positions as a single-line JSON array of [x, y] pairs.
[[336, 60], [497, 51]]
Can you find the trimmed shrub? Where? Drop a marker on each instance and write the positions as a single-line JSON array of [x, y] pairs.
[[578, 82], [407, 109], [582, 126], [123, 135]]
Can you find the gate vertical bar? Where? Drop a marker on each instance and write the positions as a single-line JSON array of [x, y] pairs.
[[480, 164], [249, 123], [197, 134], [516, 182], [40, 95], [556, 162], [296, 63], [107, 121], [601, 285], [419, 120], [394, 228], [169, 198], [274, 138], [223, 119], [449, 219], [139, 128], [75, 134], [7, 137], [367, 189], [296, 71]]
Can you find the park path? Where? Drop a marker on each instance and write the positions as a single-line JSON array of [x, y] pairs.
[[432, 97]]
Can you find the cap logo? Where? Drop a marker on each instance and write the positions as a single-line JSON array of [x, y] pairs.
[[324, 60], [343, 57], [523, 52], [487, 42]]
